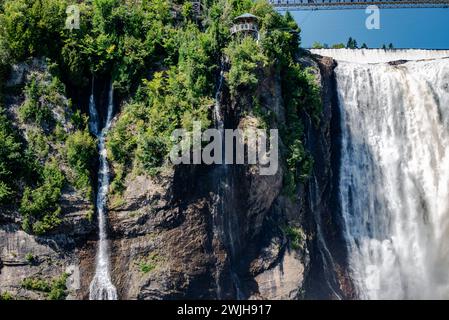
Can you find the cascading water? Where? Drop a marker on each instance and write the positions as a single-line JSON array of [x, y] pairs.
[[93, 114], [394, 173], [101, 287], [218, 203]]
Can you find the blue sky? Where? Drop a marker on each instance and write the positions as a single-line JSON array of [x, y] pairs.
[[405, 28]]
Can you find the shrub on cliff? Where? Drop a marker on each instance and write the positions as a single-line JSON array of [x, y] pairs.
[[33, 109], [5, 295], [42, 94], [81, 150], [54, 289], [245, 58], [39, 205], [10, 159]]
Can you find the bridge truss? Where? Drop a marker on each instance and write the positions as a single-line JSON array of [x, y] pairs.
[[292, 5]]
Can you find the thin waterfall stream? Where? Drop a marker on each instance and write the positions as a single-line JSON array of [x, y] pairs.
[[101, 287], [93, 113], [222, 231]]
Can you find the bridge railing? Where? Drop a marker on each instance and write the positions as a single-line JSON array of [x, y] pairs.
[[354, 4]]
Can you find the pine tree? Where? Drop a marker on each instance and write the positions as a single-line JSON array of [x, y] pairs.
[[349, 45], [352, 43]]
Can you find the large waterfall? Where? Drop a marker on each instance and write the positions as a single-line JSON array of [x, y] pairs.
[[101, 287], [394, 171]]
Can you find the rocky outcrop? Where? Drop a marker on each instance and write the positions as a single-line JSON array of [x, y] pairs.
[[46, 257], [26, 256], [328, 277], [207, 232], [161, 240]]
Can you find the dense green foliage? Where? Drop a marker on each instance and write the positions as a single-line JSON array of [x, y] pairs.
[[6, 296], [54, 289], [10, 158], [34, 109], [165, 71], [125, 38], [33, 162], [49, 146], [172, 98], [32, 28], [302, 94], [338, 46], [245, 58], [81, 151], [39, 206]]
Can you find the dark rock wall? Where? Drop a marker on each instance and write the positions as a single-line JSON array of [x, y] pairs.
[[328, 278]]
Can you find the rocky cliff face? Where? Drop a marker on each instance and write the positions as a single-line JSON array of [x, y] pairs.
[[182, 236], [202, 232], [328, 277]]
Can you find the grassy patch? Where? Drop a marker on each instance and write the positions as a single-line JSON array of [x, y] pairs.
[[30, 258], [149, 264], [296, 237], [6, 296]]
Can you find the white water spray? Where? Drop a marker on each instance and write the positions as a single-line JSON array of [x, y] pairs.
[[101, 287], [394, 174]]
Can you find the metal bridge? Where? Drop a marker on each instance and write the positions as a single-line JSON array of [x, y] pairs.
[[355, 4]]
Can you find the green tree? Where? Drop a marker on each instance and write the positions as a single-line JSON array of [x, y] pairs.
[[81, 151], [10, 159], [245, 58], [39, 206], [32, 28], [352, 43], [338, 46], [317, 45]]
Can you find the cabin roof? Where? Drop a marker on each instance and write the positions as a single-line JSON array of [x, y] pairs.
[[246, 16]]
